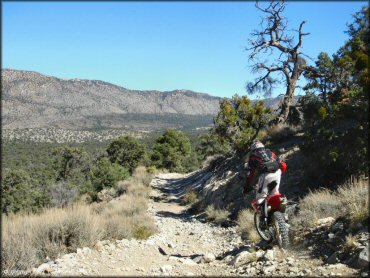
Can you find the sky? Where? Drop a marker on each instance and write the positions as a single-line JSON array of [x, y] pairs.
[[163, 46]]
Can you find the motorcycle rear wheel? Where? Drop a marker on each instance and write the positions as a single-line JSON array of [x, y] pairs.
[[281, 229], [263, 233]]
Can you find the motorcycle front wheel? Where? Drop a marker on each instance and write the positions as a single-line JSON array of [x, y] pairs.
[[281, 229], [265, 234]]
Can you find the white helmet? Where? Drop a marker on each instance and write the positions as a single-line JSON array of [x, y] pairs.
[[256, 145]]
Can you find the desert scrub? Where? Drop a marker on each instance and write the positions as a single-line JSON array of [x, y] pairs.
[[246, 228], [189, 198], [318, 204], [142, 175], [29, 239], [354, 197], [220, 216], [349, 201], [280, 132]]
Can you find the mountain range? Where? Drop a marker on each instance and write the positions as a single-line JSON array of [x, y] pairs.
[[34, 100]]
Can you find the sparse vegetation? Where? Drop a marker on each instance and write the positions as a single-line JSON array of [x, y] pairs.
[[219, 216], [245, 222], [189, 198], [28, 239], [349, 201], [349, 243], [280, 132]]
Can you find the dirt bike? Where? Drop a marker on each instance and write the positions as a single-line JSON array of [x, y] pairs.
[[275, 219]]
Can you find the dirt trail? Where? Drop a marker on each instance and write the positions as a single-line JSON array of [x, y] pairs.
[[182, 246], [181, 240]]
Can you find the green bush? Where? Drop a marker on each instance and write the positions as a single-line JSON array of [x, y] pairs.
[[239, 122], [106, 174], [173, 151], [18, 193], [126, 151]]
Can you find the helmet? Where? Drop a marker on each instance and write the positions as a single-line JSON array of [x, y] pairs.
[[256, 145]]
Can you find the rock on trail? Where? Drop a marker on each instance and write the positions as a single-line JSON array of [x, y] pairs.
[[184, 246]]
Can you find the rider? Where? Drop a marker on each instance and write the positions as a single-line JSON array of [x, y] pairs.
[[264, 173]]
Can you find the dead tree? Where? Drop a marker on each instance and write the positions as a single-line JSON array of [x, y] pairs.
[[273, 41]]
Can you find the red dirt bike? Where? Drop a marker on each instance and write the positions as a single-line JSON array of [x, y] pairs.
[[276, 228]]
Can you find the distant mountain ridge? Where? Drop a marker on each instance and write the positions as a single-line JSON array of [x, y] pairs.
[[34, 100]]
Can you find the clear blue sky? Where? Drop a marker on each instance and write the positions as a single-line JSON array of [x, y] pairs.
[[160, 46]]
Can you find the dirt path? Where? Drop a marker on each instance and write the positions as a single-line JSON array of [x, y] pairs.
[[183, 246]]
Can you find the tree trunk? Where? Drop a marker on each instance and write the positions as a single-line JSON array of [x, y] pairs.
[[289, 95], [287, 102]]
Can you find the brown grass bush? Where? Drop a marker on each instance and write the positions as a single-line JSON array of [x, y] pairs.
[[29, 239], [319, 204], [349, 201], [141, 175], [246, 228], [349, 243], [354, 198], [218, 216], [210, 160], [189, 198], [280, 132]]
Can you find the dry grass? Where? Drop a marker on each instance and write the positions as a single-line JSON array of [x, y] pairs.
[[189, 198], [246, 226], [280, 132], [349, 201], [219, 216], [319, 204], [141, 175], [349, 244], [209, 161], [354, 198], [29, 239]]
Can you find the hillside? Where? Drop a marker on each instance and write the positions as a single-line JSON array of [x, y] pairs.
[[31, 100]]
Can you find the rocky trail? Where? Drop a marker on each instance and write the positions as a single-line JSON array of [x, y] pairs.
[[187, 245]]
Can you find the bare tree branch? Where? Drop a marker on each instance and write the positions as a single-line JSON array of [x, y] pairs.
[[274, 35]]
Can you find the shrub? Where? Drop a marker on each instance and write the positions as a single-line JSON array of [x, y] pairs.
[[142, 176], [152, 170], [106, 174], [349, 201], [29, 239], [280, 132], [319, 204], [238, 122], [190, 197], [220, 216], [354, 200], [349, 243], [171, 151], [246, 227], [16, 192], [62, 194], [70, 163], [143, 232], [122, 188], [127, 151]]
